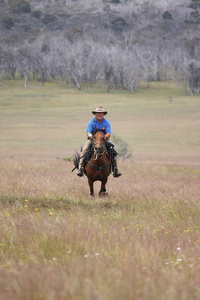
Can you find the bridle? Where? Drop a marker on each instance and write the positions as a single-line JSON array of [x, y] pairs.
[[97, 150], [99, 155]]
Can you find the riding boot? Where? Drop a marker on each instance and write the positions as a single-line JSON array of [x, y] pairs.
[[80, 171], [116, 172]]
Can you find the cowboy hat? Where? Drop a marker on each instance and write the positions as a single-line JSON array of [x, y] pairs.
[[99, 109]]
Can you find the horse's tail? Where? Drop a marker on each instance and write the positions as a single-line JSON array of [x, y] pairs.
[[76, 159]]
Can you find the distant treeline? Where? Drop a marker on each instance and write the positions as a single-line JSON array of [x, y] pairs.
[[89, 62], [122, 43]]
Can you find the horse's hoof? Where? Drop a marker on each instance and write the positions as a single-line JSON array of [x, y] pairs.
[[103, 194]]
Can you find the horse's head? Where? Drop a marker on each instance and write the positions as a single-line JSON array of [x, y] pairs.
[[98, 140]]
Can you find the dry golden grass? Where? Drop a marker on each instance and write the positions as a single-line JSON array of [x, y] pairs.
[[140, 242]]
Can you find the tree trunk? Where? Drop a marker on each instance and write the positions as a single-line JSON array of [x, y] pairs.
[[25, 80], [108, 87]]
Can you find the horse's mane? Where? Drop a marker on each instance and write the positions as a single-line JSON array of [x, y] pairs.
[[99, 130]]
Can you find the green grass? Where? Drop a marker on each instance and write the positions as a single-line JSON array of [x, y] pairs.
[[140, 242], [54, 117]]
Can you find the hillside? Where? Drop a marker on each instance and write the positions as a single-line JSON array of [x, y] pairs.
[[120, 42], [141, 20]]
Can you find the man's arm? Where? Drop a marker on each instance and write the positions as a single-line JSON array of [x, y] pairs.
[[89, 129], [107, 135], [108, 130], [89, 135]]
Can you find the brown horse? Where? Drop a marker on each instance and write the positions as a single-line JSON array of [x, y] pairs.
[[98, 168]]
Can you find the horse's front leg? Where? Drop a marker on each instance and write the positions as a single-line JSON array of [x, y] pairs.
[[103, 188], [91, 187]]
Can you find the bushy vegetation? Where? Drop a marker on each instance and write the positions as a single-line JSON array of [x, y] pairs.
[[19, 6], [7, 22], [167, 15], [195, 4], [121, 147], [48, 18]]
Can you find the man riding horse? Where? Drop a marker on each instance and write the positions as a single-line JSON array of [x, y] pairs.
[[99, 122]]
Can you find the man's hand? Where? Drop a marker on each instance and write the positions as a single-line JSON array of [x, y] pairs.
[[90, 136]]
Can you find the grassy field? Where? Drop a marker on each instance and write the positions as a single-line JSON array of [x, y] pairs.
[[140, 242], [52, 119]]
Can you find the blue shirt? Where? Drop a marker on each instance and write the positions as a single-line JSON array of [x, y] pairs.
[[104, 123]]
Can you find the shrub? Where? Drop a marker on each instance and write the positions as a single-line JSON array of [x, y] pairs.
[[121, 147], [20, 6], [195, 4], [48, 18], [167, 15], [26, 27], [36, 14], [7, 22], [115, 1]]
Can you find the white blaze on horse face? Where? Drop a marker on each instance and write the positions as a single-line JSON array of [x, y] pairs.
[[97, 150], [98, 145]]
